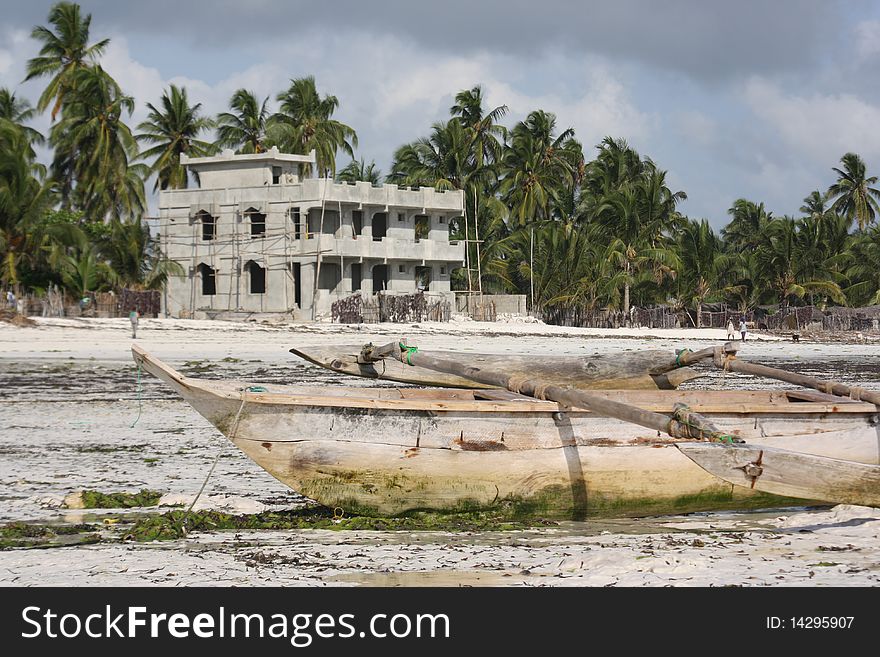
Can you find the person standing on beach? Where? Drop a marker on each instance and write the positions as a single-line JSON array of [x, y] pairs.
[[133, 318], [742, 328], [10, 299], [731, 332]]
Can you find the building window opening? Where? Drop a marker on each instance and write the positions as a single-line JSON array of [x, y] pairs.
[[209, 226], [329, 277], [380, 226], [357, 222], [257, 277], [209, 280], [442, 220], [423, 279], [296, 272], [296, 219], [258, 222], [443, 271], [356, 277], [401, 269], [423, 227], [401, 217], [276, 175]]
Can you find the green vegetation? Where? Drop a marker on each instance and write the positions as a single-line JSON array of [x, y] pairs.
[[93, 499], [582, 230], [175, 524], [28, 535]]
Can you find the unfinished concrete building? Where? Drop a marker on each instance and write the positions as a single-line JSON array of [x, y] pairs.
[[257, 237]]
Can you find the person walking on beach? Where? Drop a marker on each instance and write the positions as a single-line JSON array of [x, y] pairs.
[[731, 332], [133, 318], [742, 328], [10, 299]]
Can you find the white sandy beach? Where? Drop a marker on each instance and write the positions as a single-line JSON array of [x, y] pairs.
[[70, 397]]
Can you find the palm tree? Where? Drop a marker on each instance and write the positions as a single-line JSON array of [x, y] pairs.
[[703, 265], [636, 244], [17, 112], [864, 268], [24, 197], [538, 166], [747, 225], [439, 160], [616, 165], [93, 147], [854, 196], [174, 129], [83, 272], [243, 129], [303, 123], [360, 171], [486, 135], [64, 52], [135, 257], [782, 261], [816, 205]]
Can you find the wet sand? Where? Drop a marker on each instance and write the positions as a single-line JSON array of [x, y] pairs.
[[73, 416]]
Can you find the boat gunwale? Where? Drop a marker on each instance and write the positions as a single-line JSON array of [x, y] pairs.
[[361, 397]]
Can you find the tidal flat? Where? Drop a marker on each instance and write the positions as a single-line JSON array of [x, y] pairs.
[[80, 432]]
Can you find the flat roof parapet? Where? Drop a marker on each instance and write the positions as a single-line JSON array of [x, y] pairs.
[[228, 155]]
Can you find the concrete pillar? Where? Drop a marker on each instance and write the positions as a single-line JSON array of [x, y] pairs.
[[307, 286]]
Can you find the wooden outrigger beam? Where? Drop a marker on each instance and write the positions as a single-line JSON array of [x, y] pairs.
[[725, 358], [681, 424]]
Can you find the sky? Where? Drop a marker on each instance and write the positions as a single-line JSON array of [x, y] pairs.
[[748, 99]]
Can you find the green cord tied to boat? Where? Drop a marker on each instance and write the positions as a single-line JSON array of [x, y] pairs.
[[409, 351], [687, 424], [678, 354]]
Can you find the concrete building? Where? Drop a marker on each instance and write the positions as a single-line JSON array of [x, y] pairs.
[[256, 237]]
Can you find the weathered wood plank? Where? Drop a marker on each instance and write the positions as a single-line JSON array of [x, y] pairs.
[[788, 473], [641, 370]]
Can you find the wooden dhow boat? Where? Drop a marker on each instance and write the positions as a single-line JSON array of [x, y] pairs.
[[385, 451]]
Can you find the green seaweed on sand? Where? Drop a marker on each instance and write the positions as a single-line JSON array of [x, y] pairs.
[[27, 535], [175, 524], [197, 366], [93, 499]]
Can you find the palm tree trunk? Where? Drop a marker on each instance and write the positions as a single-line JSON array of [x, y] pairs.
[[699, 314]]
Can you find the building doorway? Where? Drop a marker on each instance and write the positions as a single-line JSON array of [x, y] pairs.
[[380, 278]]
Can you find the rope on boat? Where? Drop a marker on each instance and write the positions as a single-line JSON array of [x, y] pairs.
[[408, 351], [140, 400], [682, 416], [216, 460], [679, 353]]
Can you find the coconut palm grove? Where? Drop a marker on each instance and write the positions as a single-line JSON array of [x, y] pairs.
[[576, 227]]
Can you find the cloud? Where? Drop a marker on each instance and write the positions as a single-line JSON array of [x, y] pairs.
[[696, 127], [707, 40], [868, 39], [820, 126]]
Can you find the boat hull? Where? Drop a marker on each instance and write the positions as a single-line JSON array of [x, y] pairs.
[[387, 451]]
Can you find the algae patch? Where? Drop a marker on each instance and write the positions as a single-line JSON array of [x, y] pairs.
[[176, 524], [27, 535], [93, 499]]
